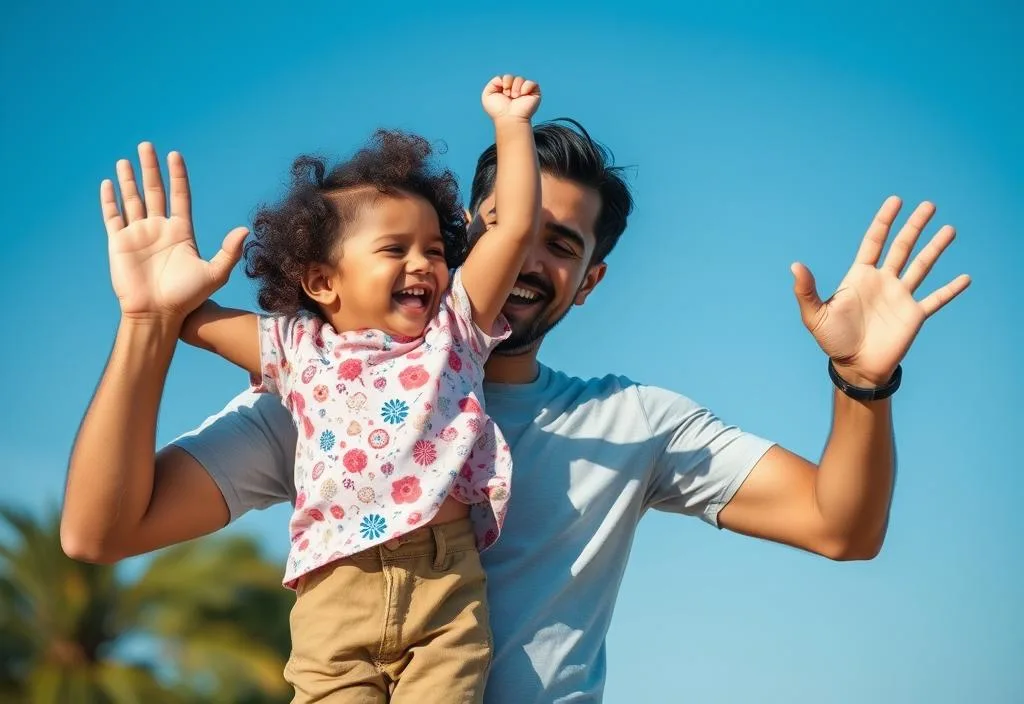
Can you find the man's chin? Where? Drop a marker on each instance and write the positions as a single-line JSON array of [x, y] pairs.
[[514, 347]]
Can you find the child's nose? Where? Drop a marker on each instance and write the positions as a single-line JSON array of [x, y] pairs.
[[417, 262]]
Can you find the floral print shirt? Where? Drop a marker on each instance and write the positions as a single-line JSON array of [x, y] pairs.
[[388, 428]]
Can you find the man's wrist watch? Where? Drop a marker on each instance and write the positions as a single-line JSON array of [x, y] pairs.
[[859, 393]]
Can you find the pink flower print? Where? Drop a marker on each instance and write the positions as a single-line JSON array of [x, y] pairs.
[[350, 369], [320, 393], [338, 351], [308, 373], [406, 490], [318, 469], [424, 452], [316, 514], [355, 461], [298, 406], [270, 371], [413, 377], [300, 500], [366, 495], [298, 536], [304, 544], [338, 512], [470, 405], [414, 518], [378, 439], [387, 468], [454, 361], [474, 425], [379, 383], [414, 355], [449, 434], [356, 401], [466, 472]]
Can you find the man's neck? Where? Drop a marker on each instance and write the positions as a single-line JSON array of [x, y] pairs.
[[512, 369]]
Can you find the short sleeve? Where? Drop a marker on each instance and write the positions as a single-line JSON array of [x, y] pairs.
[[248, 449], [281, 341], [481, 342], [701, 461]]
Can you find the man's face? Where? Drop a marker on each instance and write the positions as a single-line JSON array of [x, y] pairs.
[[555, 275]]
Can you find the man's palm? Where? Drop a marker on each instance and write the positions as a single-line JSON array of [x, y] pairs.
[[868, 325], [155, 267]]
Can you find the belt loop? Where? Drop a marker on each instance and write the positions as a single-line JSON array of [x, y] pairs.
[[440, 549]]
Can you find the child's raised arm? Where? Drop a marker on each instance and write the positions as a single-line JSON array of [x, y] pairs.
[[494, 261], [233, 334]]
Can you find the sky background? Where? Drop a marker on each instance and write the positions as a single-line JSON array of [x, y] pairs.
[[758, 133]]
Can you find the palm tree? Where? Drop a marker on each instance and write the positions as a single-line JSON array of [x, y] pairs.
[[205, 621]]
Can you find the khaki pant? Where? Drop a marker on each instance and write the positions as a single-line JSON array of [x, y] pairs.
[[406, 621]]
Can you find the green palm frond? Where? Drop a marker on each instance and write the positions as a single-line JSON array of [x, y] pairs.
[[237, 665], [214, 608]]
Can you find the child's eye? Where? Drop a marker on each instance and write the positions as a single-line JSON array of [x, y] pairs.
[[394, 249], [436, 252]]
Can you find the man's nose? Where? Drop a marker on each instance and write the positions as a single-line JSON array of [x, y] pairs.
[[533, 264]]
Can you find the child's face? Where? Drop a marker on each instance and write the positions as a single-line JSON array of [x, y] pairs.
[[391, 272]]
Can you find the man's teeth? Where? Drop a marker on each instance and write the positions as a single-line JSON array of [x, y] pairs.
[[415, 291], [524, 293]]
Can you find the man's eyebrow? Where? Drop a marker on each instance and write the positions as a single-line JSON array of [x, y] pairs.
[[568, 233]]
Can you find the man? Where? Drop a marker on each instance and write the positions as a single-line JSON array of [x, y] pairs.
[[590, 456]]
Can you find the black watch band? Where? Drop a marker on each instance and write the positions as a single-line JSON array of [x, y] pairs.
[[858, 393]]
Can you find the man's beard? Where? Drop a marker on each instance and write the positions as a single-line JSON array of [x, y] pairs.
[[531, 333]]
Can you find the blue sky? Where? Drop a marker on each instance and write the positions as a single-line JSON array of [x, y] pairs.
[[758, 136]]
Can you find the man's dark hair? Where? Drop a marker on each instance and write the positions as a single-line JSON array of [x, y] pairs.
[[565, 150], [304, 228]]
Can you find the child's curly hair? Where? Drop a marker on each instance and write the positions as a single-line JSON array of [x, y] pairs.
[[303, 228]]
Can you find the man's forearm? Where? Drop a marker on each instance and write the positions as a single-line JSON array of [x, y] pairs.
[[854, 482], [110, 474]]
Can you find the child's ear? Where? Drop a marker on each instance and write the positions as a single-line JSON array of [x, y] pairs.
[[590, 281], [319, 284], [469, 215]]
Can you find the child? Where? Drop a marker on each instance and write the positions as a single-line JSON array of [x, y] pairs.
[[377, 349]]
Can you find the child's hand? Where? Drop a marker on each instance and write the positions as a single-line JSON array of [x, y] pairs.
[[155, 266], [511, 96]]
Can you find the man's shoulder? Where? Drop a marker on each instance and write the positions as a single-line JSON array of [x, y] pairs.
[[249, 408], [615, 391]]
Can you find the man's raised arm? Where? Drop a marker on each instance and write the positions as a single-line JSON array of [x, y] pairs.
[[121, 499], [840, 508]]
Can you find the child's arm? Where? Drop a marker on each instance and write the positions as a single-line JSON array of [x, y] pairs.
[[494, 261], [233, 334]]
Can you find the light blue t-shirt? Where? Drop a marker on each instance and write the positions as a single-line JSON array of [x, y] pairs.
[[590, 457]]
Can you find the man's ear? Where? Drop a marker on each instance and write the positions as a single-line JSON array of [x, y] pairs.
[[320, 284], [590, 282]]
